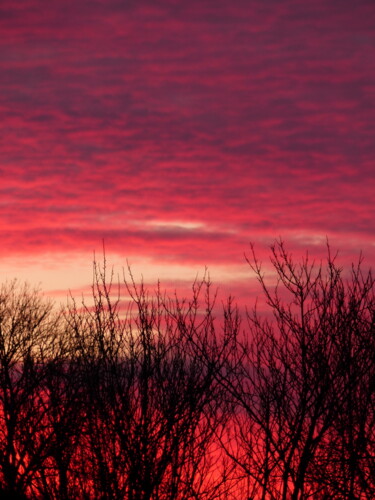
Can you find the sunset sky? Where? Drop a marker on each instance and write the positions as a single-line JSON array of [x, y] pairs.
[[179, 131]]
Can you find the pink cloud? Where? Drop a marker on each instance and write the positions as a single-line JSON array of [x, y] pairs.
[[250, 119]]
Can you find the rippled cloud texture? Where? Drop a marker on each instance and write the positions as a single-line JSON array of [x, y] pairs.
[[180, 131]]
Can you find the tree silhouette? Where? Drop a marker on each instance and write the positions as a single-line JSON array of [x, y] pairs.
[[302, 384], [151, 405], [27, 333], [141, 396]]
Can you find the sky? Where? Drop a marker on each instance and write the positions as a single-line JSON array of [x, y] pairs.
[[178, 132]]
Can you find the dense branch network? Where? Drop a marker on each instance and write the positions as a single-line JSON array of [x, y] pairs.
[[144, 397]]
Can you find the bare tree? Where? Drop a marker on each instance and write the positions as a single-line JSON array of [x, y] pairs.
[[27, 329], [140, 396], [302, 384], [349, 454], [152, 406]]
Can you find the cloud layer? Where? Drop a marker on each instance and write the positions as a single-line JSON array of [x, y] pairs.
[[180, 131]]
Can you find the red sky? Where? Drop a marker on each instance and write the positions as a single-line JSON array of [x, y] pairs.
[[178, 132]]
